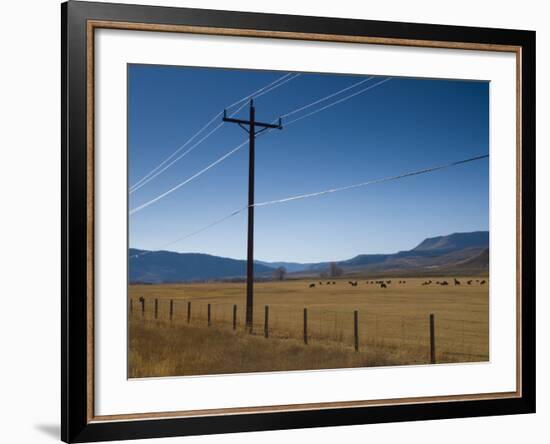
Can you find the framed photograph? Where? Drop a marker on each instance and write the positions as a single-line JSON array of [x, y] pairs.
[[276, 221]]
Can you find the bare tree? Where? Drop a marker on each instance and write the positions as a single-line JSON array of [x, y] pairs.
[[335, 270], [280, 273]]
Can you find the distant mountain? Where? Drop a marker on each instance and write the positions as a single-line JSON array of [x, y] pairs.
[[167, 266], [429, 255], [453, 242], [481, 260], [291, 267], [466, 253]]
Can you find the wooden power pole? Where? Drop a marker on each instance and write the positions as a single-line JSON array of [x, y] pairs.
[[250, 126]]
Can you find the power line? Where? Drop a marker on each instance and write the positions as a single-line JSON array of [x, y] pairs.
[[186, 181], [330, 104], [370, 182], [338, 101], [328, 191], [259, 92], [162, 170], [326, 97], [193, 233], [234, 150], [175, 152], [248, 97], [274, 87]]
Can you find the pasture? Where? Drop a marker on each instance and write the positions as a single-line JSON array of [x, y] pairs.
[[393, 325]]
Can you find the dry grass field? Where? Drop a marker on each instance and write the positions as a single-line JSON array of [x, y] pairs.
[[393, 325]]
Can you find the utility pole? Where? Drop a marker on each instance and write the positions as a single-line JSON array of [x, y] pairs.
[[252, 124]]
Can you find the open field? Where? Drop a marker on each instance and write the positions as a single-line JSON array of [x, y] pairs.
[[393, 325]]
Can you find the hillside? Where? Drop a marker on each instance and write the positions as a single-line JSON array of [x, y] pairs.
[[167, 266], [453, 242], [454, 253]]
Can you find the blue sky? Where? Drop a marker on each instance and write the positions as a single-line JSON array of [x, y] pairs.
[[402, 125]]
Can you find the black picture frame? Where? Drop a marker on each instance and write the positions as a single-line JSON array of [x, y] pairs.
[[76, 424]]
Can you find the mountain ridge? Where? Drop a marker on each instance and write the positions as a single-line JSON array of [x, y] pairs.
[[168, 266], [457, 251]]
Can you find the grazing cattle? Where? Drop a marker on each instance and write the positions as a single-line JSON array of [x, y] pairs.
[[469, 282], [444, 283], [311, 285], [388, 282], [477, 280], [353, 284], [328, 283], [333, 282], [141, 299], [482, 282], [382, 285], [457, 282], [320, 283]]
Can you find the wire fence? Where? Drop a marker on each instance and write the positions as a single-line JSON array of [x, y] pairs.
[[439, 338]]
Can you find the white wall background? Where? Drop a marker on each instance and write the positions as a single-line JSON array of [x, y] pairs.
[[30, 209]]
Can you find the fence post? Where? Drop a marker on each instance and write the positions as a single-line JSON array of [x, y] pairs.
[[305, 326], [432, 338], [131, 306], [234, 317], [209, 315], [156, 308], [142, 306], [189, 312], [266, 322], [356, 329], [171, 309]]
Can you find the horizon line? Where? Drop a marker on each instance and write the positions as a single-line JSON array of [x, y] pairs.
[[309, 261]]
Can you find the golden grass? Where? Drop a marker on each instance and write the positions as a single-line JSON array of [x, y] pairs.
[[158, 348], [393, 326]]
